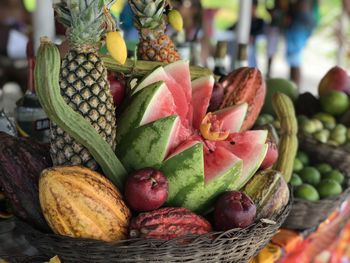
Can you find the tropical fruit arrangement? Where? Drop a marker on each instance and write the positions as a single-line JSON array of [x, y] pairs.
[[160, 166], [317, 181], [328, 121]]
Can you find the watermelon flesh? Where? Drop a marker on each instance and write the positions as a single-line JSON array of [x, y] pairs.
[[178, 94], [232, 117], [253, 136], [162, 105], [215, 166], [202, 89], [217, 163]]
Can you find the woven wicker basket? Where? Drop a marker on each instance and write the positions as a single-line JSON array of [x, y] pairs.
[[235, 245], [307, 214]]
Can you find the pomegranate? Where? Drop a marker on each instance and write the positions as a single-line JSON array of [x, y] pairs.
[[117, 85], [234, 210], [146, 190]]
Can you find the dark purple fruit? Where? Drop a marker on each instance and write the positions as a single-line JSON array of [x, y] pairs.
[[216, 97], [234, 210]]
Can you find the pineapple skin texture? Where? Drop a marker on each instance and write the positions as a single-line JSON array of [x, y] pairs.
[[155, 45], [85, 88]]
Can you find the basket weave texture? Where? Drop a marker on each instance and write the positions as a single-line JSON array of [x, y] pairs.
[[307, 214], [236, 245]]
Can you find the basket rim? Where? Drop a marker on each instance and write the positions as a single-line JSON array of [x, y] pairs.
[[210, 238]]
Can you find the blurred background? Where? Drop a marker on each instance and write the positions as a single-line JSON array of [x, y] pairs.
[[294, 39]]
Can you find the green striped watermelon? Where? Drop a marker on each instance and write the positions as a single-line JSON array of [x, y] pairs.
[[160, 128]]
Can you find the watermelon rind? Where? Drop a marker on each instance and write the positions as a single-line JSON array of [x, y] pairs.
[[156, 75], [148, 145], [138, 107], [249, 171], [183, 169], [200, 198]]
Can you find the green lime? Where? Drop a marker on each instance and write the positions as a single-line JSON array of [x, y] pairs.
[[340, 129], [303, 157], [335, 175], [307, 192], [327, 120], [318, 124], [329, 188], [334, 102], [261, 121], [323, 168], [348, 134], [322, 135], [308, 127], [276, 124], [295, 180], [301, 119], [338, 137], [298, 165], [310, 175]]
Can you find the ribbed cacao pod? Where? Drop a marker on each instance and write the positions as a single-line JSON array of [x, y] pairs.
[[21, 162], [245, 85], [79, 202], [168, 223], [269, 191]]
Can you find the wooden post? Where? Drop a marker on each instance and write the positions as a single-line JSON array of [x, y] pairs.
[[43, 22], [243, 33]]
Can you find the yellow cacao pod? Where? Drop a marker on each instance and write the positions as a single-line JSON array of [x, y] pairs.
[[81, 203]]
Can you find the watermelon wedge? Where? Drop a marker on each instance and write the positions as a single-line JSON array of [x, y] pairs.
[[177, 92], [202, 89], [232, 117], [160, 128], [253, 136], [180, 72], [251, 148]]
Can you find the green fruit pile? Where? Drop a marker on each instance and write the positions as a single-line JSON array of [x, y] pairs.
[[324, 128], [265, 119], [315, 182]]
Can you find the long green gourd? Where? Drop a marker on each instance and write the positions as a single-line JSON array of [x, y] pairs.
[[47, 87], [288, 145]]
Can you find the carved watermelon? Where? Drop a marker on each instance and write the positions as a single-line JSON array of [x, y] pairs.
[[161, 128]]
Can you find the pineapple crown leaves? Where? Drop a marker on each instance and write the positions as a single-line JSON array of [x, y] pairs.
[[85, 19], [148, 13]]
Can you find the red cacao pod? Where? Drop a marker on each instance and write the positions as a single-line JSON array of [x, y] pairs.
[[245, 85], [168, 223]]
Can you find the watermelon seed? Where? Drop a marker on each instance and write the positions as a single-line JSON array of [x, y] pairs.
[[232, 142]]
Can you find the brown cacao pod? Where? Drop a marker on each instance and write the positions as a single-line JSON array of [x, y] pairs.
[[245, 85], [21, 162], [79, 202], [168, 223]]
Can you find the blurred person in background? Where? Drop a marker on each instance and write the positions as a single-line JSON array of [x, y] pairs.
[[256, 30], [273, 31], [198, 26], [298, 27], [15, 27]]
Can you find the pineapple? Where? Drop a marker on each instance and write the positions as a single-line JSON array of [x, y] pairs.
[[154, 44], [83, 80]]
